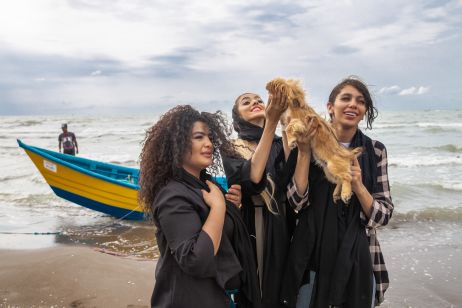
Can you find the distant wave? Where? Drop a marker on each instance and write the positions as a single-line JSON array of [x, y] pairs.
[[29, 123], [428, 125], [439, 124], [426, 161], [436, 130], [402, 188], [429, 214], [124, 163], [32, 200], [12, 177], [450, 148], [120, 135]]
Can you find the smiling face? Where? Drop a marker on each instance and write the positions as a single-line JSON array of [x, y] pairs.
[[251, 108], [200, 155], [349, 107]]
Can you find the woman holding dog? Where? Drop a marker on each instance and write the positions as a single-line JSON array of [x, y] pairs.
[[206, 257], [260, 172], [335, 255]]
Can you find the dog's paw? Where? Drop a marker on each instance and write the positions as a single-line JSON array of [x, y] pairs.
[[336, 198], [278, 85], [346, 197]]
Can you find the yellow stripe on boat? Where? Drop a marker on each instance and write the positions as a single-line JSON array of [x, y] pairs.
[[84, 185]]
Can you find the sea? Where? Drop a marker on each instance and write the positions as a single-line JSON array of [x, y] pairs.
[[424, 165]]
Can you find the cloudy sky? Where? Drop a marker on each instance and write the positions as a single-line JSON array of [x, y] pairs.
[[137, 56]]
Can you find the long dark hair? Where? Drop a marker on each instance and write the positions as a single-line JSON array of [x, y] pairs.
[[358, 84], [168, 140]]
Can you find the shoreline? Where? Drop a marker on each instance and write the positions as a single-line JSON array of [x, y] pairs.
[[424, 261]]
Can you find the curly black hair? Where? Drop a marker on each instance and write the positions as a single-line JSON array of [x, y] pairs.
[[167, 141], [358, 84]]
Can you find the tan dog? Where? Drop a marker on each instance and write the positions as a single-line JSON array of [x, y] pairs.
[[327, 152]]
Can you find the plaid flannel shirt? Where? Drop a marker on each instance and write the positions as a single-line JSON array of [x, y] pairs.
[[381, 213]]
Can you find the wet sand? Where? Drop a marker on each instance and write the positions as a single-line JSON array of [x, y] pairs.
[[66, 276], [424, 262]]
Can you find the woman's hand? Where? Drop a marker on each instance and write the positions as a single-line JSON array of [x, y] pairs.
[[364, 196], [304, 142], [357, 180], [215, 197], [213, 226], [277, 104], [234, 195]]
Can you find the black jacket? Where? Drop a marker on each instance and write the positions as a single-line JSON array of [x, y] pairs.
[[330, 240], [278, 228], [187, 273]]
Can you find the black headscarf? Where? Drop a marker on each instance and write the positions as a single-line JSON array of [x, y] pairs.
[[251, 132], [246, 130]]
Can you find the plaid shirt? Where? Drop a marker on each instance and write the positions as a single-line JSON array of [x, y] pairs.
[[381, 213]]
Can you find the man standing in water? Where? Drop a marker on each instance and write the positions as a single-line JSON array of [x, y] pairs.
[[68, 140]]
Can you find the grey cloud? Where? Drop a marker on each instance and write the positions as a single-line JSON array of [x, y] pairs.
[[50, 66], [268, 22], [344, 50], [175, 64]]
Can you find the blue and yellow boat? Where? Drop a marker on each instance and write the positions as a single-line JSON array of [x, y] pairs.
[[103, 187]]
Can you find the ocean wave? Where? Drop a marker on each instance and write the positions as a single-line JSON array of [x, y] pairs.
[[449, 148], [422, 161], [436, 130], [13, 177], [120, 135], [430, 214], [442, 125], [33, 200], [130, 162], [448, 187], [28, 123]]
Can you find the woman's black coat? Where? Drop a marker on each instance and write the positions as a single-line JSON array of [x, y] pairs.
[[278, 228], [187, 273]]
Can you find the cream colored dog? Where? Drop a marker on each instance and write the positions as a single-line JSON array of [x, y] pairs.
[[327, 152]]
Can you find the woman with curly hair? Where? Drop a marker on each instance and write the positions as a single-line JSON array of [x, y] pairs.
[[260, 172], [206, 255]]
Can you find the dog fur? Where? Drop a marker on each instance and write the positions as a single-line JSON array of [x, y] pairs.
[[327, 152]]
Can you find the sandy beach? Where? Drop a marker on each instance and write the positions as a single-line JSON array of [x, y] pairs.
[[66, 276]]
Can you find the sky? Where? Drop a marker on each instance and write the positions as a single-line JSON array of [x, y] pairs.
[[129, 57]]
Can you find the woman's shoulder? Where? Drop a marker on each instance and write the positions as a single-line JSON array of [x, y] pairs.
[[378, 145], [245, 148], [379, 148], [172, 190]]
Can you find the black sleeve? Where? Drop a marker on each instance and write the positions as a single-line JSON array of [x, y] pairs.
[[289, 169], [191, 247], [238, 172]]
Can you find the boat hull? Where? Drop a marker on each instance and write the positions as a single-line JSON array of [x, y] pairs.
[[81, 187]]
